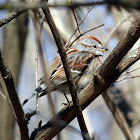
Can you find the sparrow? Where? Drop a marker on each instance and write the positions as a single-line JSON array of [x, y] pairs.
[[84, 59]]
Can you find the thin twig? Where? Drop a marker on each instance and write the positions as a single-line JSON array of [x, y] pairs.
[[11, 16], [37, 96], [73, 11], [129, 71], [9, 82], [29, 115], [129, 77], [46, 79], [83, 34], [72, 88], [67, 44], [46, 75], [36, 77]]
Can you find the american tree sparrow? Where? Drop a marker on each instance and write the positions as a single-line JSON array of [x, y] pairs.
[[84, 59]]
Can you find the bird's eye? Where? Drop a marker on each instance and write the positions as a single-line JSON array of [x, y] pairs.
[[94, 46]]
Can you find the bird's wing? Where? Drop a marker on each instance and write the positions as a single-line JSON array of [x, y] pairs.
[[78, 62]]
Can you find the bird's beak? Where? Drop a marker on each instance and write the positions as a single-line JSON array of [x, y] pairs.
[[103, 49]]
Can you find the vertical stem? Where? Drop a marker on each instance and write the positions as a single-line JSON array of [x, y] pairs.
[[9, 82], [72, 88]]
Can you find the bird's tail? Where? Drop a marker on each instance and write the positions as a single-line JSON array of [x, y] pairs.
[[40, 89]]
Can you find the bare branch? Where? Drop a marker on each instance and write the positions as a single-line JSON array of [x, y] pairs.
[[83, 34], [129, 71], [36, 75], [42, 57], [11, 16], [9, 82], [128, 61], [45, 70], [72, 88], [120, 51], [132, 57], [73, 11], [67, 44], [126, 4], [129, 77]]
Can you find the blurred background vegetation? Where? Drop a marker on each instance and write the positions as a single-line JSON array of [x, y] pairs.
[[18, 45]]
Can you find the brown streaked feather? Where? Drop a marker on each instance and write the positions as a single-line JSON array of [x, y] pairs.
[[78, 65], [57, 60], [59, 77], [54, 64]]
